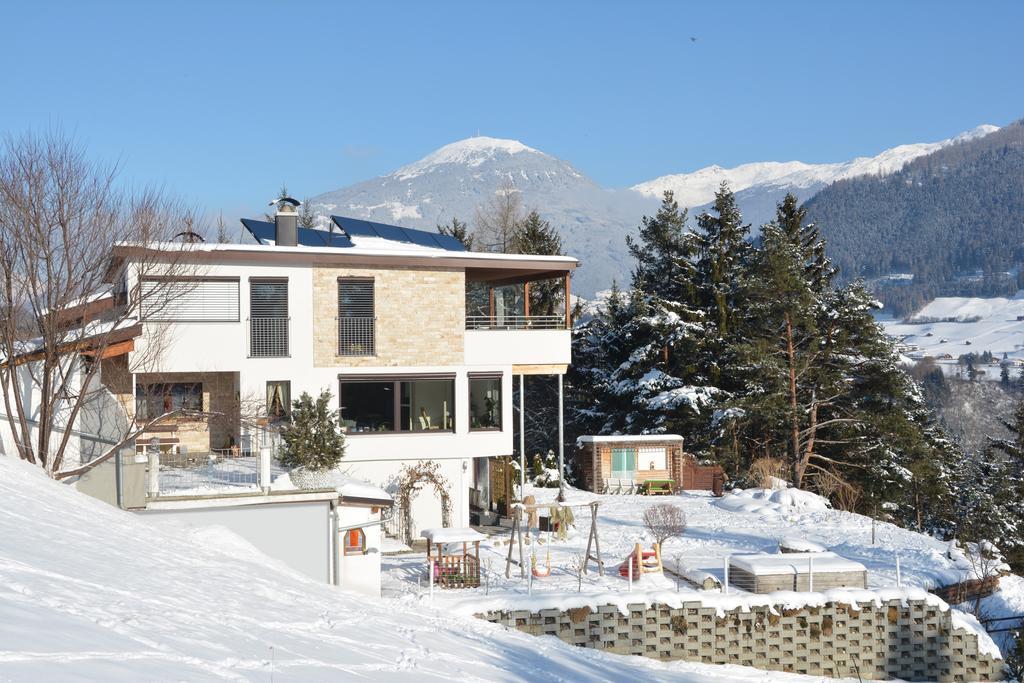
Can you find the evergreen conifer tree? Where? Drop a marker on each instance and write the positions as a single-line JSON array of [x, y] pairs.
[[307, 217], [459, 230], [312, 438], [534, 235]]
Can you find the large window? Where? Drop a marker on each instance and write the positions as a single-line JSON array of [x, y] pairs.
[[398, 405], [355, 317], [485, 402], [279, 401], [154, 400], [268, 318], [189, 299]]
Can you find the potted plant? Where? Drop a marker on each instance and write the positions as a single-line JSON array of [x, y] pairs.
[[312, 442]]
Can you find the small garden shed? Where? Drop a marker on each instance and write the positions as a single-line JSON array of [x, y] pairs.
[[642, 463]]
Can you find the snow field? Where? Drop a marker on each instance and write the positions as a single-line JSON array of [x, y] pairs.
[[744, 521], [91, 593]]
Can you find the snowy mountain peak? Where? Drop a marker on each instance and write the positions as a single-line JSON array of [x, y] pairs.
[[698, 187], [471, 152]]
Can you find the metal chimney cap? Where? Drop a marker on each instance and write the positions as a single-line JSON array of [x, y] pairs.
[[285, 203]]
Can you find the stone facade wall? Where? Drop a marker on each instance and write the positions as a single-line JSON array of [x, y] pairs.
[[912, 641], [199, 436], [421, 317]]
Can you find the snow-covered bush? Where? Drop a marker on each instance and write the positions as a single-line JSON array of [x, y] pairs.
[[545, 470]]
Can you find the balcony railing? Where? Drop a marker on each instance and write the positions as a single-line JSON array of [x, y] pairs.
[[515, 322], [355, 336], [268, 337]]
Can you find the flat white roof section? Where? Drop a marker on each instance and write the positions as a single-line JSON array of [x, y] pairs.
[[629, 438], [452, 535], [794, 563]]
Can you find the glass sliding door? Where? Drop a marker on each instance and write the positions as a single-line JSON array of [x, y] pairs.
[[623, 463]]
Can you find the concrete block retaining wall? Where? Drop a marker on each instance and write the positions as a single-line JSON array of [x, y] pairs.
[[911, 640]]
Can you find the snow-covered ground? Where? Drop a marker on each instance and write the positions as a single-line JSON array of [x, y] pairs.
[[91, 593], [986, 324], [750, 521]]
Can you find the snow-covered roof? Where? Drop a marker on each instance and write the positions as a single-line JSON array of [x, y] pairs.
[[371, 248], [452, 535], [794, 563], [350, 487], [629, 438]]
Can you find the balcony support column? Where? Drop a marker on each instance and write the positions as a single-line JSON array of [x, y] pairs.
[[522, 437], [526, 299], [568, 309], [561, 437]]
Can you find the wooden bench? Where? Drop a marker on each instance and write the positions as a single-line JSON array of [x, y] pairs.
[[654, 487]]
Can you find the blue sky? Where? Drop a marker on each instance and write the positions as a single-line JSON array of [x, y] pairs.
[[220, 103]]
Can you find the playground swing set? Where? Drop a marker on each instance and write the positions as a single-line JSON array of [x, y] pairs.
[[561, 512]]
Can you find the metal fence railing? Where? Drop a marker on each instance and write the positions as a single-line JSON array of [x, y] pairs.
[[268, 337], [515, 322], [178, 471], [356, 336]]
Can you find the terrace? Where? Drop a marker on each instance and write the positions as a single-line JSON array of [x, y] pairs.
[[504, 324]]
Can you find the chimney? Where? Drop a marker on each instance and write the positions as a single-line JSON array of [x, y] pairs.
[[286, 226]]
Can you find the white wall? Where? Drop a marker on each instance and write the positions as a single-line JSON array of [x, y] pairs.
[[298, 534], [360, 573], [223, 347], [518, 347]]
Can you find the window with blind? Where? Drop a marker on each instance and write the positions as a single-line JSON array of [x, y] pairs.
[[206, 300], [355, 317], [268, 318]]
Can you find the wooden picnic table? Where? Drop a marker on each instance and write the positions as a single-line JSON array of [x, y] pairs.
[[653, 487]]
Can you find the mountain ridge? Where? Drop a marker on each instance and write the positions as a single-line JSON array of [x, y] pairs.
[[457, 178]]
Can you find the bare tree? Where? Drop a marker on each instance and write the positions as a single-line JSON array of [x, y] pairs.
[[498, 220], [578, 566], [222, 231], [73, 246], [665, 521]]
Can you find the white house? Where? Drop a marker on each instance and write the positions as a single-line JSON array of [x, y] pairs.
[[417, 340]]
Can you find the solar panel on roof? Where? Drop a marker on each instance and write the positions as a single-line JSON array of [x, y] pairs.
[[265, 232], [354, 226], [449, 243], [262, 231], [391, 232], [309, 237], [358, 227], [421, 237]]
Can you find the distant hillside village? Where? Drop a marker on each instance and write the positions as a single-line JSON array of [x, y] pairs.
[[431, 416]]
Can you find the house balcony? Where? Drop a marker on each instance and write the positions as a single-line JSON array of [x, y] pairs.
[[523, 320], [517, 340]]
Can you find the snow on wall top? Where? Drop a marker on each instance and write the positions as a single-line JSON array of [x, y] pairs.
[[628, 438], [470, 152]]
